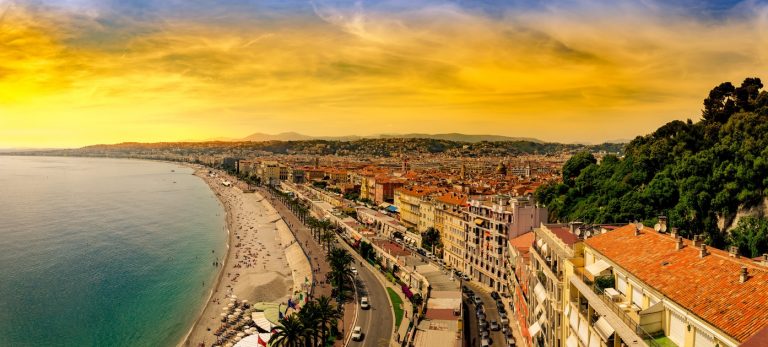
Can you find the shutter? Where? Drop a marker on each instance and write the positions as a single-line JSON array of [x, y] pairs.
[[637, 296], [574, 319], [703, 339], [622, 284], [583, 331], [676, 329]]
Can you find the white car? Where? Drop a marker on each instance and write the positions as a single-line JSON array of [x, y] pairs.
[[364, 303], [357, 334], [353, 270]]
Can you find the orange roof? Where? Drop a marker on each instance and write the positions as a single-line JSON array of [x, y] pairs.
[[709, 286], [453, 199], [523, 242], [416, 191]]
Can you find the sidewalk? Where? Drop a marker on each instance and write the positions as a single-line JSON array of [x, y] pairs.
[[316, 255]]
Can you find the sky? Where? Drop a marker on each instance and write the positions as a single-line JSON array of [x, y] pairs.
[[80, 72]]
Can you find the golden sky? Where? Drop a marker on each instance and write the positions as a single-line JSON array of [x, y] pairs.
[[79, 72]]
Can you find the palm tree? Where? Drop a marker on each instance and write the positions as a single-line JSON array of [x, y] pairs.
[[310, 318], [327, 237], [328, 315], [289, 333], [340, 261]]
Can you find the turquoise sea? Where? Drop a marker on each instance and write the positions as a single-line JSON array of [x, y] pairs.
[[104, 252]]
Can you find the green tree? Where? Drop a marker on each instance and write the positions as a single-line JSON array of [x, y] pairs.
[[289, 332], [751, 236], [430, 239]]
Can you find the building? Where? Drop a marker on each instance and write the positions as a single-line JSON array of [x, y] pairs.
[[449, 221], [638, 286], [489, 225], [408, 203], [384, 190], [272, 173], [426, 214]]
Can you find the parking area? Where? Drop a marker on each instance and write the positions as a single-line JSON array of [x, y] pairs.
[[487, 321]]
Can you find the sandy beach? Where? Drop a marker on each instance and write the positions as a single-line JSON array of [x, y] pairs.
[[264, 262]]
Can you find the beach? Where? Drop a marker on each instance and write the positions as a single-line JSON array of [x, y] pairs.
[[263, 263]]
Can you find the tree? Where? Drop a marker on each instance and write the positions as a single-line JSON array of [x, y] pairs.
[[430, 239], [751, 236], [328, 316], [573, 167], [340, 261], [289, 333], [310, 320]]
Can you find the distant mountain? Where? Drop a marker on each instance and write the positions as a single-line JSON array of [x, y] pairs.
[[457, 137], [289, 136]]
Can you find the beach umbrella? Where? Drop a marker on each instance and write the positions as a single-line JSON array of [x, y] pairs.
[[240, 335], [231, 305], [229, 344], [231, 316], [223, 314], [245, 301], [234, 296], [225, 308], [238, 338]]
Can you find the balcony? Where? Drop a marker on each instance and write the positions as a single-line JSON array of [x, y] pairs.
[[626, 327], [546, 268]]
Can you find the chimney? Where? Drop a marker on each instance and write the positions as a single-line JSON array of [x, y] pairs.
[[744, 275], [765, 259], [695, 241], [662, 225], [673, 233], [679, 243], [574, 226], [638, 228], [733, 251], [703, 251]]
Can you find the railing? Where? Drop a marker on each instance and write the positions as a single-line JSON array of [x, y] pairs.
[[631, 323]]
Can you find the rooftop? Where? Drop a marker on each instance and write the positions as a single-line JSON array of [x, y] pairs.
[[708, 286]]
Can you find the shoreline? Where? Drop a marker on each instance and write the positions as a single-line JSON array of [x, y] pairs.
[[261, 263]]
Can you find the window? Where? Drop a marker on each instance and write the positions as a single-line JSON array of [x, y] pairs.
[[637, 296], [622, 284], [703, 339], [677, 329]]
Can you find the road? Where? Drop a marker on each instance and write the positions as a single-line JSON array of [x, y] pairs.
[[376, 321], [491, 312]]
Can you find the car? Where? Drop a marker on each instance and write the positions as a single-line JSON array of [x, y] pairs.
[[485, 342], [495, 295], [353, 270], [482, 323], [357, 333], [465, 277], [494, 325], [504, 330], [481, 315], [465, 289], [485, 334], [364, 303], [502, 309], [504, 319], [478, 301]]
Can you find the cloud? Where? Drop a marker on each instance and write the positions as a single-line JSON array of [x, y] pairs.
[[264, 66]]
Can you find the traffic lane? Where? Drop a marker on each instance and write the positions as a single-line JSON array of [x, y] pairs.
[[491, 312], [376, 322], [471, 331]]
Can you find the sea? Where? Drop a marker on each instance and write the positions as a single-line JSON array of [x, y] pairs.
[[104, 252]]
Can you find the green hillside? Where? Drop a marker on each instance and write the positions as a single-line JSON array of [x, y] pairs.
[[698, 174]]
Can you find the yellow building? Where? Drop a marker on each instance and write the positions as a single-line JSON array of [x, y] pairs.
[[408, 203], [449, 221]]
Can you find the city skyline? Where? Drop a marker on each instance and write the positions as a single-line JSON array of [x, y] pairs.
[[80, 72]]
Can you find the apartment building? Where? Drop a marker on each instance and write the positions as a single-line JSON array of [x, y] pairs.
[[489, 224], [449, 221], [408, 202], [272, 173], [427, 214], [640, 287]]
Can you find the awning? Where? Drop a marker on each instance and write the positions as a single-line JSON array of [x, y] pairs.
[[604, 329], [260, 319], [571, 341], [478, 221], [534, 329], [384, 205], [392, 208], [541, 293], [598, 267]]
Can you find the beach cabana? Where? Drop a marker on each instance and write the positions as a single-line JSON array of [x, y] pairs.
[[261, 321]]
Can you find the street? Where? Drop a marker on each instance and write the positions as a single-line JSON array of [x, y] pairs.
[[492, 313]]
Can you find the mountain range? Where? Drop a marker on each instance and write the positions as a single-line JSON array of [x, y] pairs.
[[293, 136]]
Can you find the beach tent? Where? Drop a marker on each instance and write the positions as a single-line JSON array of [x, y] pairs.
[[261, 321], [253, 340]]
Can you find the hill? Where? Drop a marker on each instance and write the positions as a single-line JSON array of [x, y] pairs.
[[709, 177], [455, 137]]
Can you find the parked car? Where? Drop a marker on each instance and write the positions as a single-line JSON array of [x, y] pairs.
[[481, 315], [465, 277], [478, 301], [485, 342], [364, 303], [504, 330], [471, 295], [482, 323], [504, 319], [357, 334], [494, 325], [502, 309], [465, 289], [484, 334], [495, 295], [353, 270]]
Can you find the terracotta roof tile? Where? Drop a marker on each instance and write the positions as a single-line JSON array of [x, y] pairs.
[[709, 286]]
